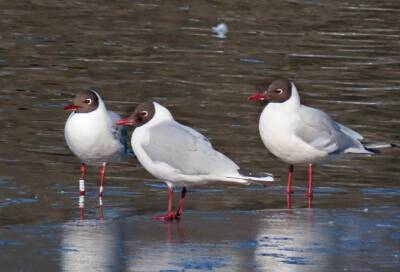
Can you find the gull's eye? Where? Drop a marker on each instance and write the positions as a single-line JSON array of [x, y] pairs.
[[88, 101], [144, 113], [279, 91]]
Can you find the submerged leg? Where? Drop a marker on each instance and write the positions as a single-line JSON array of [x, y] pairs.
[[82, 180], [290, 178], [170, 215], [310, 180], [179, 212], [102, 177]]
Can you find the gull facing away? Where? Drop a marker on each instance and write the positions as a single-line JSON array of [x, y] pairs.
[[178, 154], [92, 135], [299, 134]]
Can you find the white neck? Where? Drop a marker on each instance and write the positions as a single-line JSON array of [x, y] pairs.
[[292, 104], [102, 106], [161, 114]]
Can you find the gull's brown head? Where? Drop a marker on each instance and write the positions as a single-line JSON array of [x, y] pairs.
[[142, 114], [278, 91], [84, 102]]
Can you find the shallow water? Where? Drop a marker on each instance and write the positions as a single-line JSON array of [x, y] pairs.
[[342, 54]]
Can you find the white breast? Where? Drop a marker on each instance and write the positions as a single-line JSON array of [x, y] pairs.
[[277, 130], [92, 137]]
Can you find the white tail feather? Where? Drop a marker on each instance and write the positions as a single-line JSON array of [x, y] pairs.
[[249, 179], [379, 146]]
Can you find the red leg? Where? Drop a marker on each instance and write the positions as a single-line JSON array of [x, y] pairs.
[[82, 180], [170, 215], [102, 176], [310, 179], [179, 212], [290, 178]]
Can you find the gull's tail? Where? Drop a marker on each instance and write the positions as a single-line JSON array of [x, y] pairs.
[[248, 177], [375, 148]]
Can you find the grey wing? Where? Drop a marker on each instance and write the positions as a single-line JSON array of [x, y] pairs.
[[320, 131], [186, 150], [350, 132], [120, 132]]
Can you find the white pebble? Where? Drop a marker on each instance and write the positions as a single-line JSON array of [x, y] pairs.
[[221, 30]]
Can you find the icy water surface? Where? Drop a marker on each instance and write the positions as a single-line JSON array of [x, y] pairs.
[[342, 54]]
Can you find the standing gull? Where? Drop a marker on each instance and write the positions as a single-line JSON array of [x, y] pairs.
[[299, 134], [91, 134], [178, 154]]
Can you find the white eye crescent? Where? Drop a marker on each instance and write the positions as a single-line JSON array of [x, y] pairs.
[[279, 91], [144, 113], [88, 101]]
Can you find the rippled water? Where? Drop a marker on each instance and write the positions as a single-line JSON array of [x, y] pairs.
[[342, 54]]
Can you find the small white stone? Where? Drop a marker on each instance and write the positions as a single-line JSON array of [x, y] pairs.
[[221, 30]]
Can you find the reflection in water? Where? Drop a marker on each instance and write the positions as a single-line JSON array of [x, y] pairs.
[[289, 201], [299, 240], [287, 242], [101, 208], [91, 246], [175, 228], [81, 205], [160, 253]]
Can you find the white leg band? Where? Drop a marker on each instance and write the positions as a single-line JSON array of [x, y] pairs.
[[82, 185]]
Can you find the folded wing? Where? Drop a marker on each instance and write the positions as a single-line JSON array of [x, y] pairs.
[[319, 130], [186, 151]]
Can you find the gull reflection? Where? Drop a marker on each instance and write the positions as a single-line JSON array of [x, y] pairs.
[[289, 241], [264, 240], [81, 206], [92, 245], [160, 248]]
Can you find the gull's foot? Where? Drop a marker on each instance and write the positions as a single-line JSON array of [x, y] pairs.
[[167, 217]]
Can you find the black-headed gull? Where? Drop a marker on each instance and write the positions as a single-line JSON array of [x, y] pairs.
[[299, 134], [92, 135], [178, 154]]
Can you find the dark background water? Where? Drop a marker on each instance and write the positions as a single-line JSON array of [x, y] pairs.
[[342, 54]]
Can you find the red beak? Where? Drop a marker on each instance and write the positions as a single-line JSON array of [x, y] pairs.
[[71, 107], [257, 97], [126, 122]]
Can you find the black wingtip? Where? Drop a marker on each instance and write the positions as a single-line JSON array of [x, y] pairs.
[[373, 150]]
